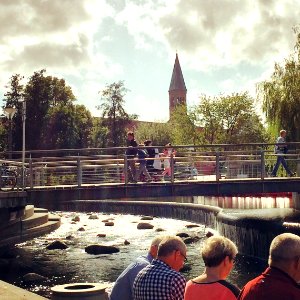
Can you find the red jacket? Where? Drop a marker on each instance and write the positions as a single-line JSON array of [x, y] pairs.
[[272, 284]]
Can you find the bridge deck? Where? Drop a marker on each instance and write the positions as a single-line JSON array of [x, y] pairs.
[[240, 186]]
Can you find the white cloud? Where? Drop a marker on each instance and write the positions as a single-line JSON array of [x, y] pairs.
[[249, 30], [214, 37]]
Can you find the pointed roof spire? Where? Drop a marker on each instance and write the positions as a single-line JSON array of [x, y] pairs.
[[177, 81]]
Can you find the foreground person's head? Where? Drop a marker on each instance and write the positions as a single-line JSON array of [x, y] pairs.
[[219, 252], [172, 251], [285, 254]]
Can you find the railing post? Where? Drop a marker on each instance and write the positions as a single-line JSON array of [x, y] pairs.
[[218, 166], [118, 172], [79, 172], [42, 179], [262, 165], [30, 172], [125, 169], [172, 167]]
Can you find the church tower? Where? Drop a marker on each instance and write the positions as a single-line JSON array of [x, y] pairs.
[[177, 89]]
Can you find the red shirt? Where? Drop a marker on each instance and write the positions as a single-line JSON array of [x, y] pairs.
[[218, 290], [272, 284]]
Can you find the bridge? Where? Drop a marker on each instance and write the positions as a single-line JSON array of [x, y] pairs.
[[47, 178], [99, 173], [62, 178]]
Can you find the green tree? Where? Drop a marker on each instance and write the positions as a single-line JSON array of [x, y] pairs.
[[114, 116], [67, 126], [183, 126], [159, 133], [41, 93], [13, 96], [99, 134], [230, 119], [281, 95], [3, 137], [209, 114]]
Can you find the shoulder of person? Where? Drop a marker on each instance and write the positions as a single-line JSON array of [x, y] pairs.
[[233, 288]]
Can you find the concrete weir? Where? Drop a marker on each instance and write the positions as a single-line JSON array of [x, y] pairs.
[[252, 230]]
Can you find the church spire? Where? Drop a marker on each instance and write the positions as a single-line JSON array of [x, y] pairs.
[[177, 89]]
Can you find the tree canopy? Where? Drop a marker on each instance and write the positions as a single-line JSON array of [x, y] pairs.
[[230, 119], [52, 119], [281, 95], [114, 115], [159, 133]]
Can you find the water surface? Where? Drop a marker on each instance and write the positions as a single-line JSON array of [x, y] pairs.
[[74, 265]]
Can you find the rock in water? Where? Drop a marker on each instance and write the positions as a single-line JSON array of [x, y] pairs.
[[143, 225], [93, 217], [146, 218], [192, 225], [101, 249], [57, 245], [109, 224], [183, 234], [33, 277]]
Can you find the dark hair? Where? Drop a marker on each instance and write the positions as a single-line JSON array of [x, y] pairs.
[[147, 142], [130, 133]]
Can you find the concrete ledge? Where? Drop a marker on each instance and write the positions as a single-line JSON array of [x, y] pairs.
[[12, 199], [35, 220], [11, 292], [30, 234]]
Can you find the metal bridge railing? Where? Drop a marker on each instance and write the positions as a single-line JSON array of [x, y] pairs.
[[79, 167]]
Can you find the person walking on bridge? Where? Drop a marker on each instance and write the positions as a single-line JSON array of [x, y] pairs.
[[131, 153], [280, 150]]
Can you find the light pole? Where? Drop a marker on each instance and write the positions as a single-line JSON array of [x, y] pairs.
[[10, 111], [23, 140]]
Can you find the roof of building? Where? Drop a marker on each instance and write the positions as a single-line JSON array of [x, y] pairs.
[[177, 81]]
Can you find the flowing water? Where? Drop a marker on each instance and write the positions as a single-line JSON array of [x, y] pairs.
[[74, 265]]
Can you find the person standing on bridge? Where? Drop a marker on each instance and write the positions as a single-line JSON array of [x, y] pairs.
[[131, 153], [280, 150], [142, 155]]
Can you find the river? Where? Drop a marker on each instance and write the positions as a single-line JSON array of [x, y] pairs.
[[74, 265]]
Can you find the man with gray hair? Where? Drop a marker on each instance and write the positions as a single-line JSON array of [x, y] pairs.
[[122, 288], [161, 280], [280, 280]]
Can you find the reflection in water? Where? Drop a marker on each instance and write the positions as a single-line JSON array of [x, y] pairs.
[[247, 202], [74, 265]]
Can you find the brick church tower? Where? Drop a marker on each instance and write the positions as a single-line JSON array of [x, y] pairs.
[[177, 89]]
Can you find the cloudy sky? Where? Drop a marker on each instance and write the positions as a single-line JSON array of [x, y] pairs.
[[224, 46]]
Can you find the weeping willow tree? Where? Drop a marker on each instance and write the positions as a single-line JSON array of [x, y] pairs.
[[281, 95]]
